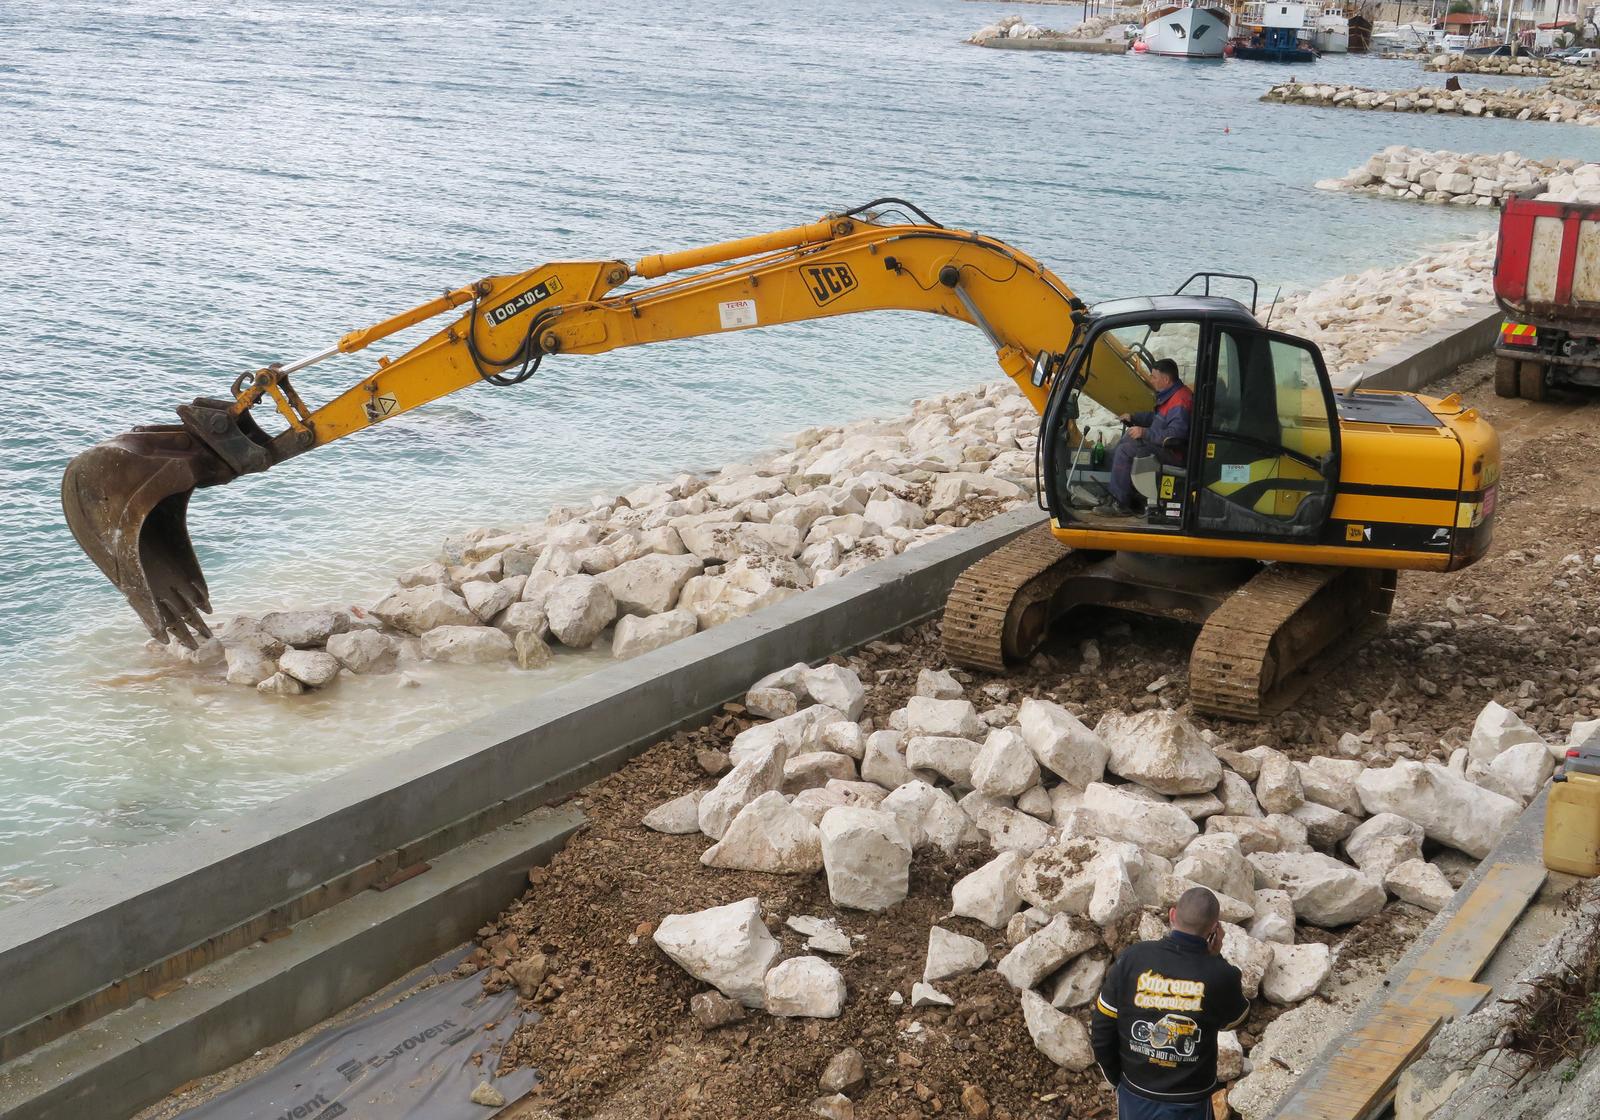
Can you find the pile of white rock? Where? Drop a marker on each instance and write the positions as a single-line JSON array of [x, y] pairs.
[[1010, 27], [1015, 27], [665, 560], [1355, 318], [1547, 104], [1094, 833], [1449, 63], [1468, 180]]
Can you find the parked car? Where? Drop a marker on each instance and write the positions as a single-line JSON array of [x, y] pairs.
[[1562, 52], [1588, 56]]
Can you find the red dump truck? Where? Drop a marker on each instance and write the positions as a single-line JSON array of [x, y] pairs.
[[1547, 281]]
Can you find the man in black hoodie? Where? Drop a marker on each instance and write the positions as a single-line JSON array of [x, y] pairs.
[[1155, 1024]]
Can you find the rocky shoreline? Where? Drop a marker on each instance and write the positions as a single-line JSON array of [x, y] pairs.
[[636, 571], [1106, 27], [1464, 179], [1545, 104]]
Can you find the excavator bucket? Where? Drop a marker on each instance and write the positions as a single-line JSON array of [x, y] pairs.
[[127, 503]]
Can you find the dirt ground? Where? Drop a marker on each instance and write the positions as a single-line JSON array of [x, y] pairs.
[[617, 1040]]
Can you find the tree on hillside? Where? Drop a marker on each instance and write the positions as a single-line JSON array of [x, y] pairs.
[[1461, 7]]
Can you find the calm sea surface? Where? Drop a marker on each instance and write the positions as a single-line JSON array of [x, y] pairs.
[[191, 190]]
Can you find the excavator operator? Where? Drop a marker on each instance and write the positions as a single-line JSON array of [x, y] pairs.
[[1163, 433]]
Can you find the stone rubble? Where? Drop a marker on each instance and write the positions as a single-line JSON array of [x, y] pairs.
[[1465, 179], [1059, 896], [1552, 102]]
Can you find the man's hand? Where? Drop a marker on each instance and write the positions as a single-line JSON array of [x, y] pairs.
[[1136, 433], [1126, 417], [1214, 940]]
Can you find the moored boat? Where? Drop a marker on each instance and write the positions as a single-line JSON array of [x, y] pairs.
[[1331, 32], [1275, 31], [1185, 28]]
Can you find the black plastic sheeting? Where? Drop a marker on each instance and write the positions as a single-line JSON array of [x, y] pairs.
[[418, 1059]]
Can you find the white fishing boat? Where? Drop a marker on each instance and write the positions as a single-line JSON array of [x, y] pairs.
[[1185, 28], [1331, 30]]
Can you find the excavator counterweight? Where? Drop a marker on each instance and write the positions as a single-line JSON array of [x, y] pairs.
[[1275, 522]]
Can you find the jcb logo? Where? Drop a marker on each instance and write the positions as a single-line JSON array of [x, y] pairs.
[[827, 282]]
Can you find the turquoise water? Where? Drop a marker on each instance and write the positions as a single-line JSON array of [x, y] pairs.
[[188, 191]]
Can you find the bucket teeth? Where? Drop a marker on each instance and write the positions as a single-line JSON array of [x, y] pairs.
[[126, 501]]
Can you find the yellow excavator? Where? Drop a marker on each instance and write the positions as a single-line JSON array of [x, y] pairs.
[[1278, 525]]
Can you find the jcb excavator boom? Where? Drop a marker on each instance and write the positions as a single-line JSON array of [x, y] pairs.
[[126, 499]]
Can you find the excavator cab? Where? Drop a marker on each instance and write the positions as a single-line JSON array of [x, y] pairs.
[[1261, 456]]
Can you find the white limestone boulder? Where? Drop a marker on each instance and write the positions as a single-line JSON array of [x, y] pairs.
[[364, 651], [1256, 834], [757, 773], [769, 703], [487, 598], [1237, 797], [958, 719], [837, 687], [797, 733], [1004, 826], [867, 858], [989, 894], [1274, 920], [1325, 827], [416, 610], [770, 835], [650, 584], [1325, 892], [1332, 782], [1159, 827], [1278, 786], [814, 769], [1451, 810], [1216, 860], [1059, 1036], [1523, 769], [466, 645], [578, 608], [947, 756], [1297, 972], [938, 684], [250, 663], [805, 987], [1041, 953], [952, 954], [280, 684], [634, 635], [1061, 743], [727, 947], [1420, 883], [304, 628], [1005, 767], [523, 616], [1159, 750], [1251, 957], [1382, 842], [1497, 729], [882, 763], [1079, 983], [678, 817]]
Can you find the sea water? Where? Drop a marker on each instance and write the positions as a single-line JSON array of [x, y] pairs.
[[188, 191]]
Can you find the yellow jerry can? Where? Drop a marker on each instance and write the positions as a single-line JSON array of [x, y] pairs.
[[1572, 826]]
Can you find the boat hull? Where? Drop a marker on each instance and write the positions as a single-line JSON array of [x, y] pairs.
[[1188, 33]]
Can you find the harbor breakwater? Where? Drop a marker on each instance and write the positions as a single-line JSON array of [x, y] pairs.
[[1564, 104]]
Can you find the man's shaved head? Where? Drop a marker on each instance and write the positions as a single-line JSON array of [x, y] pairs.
[[1197, 911]]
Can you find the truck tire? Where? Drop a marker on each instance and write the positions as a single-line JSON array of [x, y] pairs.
[[1531, 381], [1506, 381]]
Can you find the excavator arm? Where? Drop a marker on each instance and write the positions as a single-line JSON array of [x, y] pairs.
[[126, 499]]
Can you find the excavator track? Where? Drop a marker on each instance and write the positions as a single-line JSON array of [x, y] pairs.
[[998, 611], [1247, 662]]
